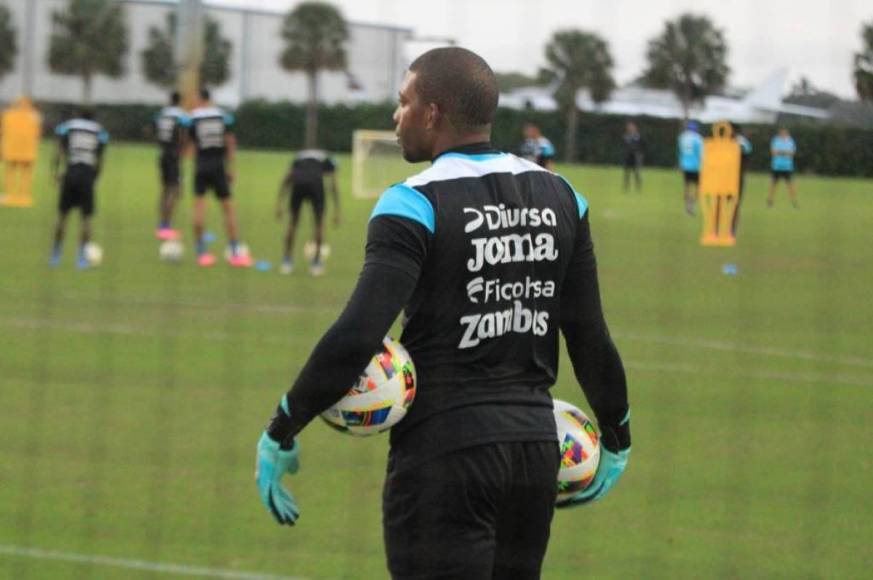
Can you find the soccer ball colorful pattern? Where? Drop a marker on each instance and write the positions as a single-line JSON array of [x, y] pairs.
[[580, 449], [380, 397]]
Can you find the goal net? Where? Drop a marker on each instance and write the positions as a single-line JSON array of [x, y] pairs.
[[377, 163]]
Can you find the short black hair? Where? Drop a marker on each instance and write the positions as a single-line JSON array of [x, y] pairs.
[[460, 83], [175, 98], [204, 94], [86, 113]]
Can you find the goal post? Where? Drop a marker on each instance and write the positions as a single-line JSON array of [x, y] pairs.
[[377, 163]]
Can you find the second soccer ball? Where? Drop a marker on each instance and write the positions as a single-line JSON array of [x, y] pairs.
[[580, 449]]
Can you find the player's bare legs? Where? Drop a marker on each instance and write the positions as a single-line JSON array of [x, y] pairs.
[[771, 194], [237, 259], [169, 196], [58, 241], [204, 258], [290, 234], [792, 193], [316, 268], [690, 198], [230, 224], [85, 234]]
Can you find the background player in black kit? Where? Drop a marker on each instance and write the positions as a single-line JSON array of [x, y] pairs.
[[472, 472], [80, 147], [305, 182], [170, 127], [633, 156], [212, 132]]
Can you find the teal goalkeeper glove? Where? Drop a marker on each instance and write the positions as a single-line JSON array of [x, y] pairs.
[[614, 453], [272, 463]]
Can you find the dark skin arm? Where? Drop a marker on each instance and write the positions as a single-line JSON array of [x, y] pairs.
[[334, 195], [284, 192]]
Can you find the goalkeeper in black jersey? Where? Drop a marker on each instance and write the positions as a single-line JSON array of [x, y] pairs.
[[489, 256]]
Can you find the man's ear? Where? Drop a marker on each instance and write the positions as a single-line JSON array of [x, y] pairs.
[[433, 117]]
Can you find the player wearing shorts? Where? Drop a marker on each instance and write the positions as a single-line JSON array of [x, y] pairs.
[[305, 183], [782, 151], [489, 256], [633, 156], [211, 130], [81, 141], [690, 151], [170, 128]]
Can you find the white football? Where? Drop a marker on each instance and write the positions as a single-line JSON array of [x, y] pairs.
[[93, 253], [380, 397], [171, 251], [309, 251], [580, 449], [242, 250]]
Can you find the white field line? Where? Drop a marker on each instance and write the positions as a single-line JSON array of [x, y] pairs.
[[768, 375], [726, 346], [144, 565], [796, 377]]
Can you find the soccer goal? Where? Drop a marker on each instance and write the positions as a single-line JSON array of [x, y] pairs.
[[377, 163]]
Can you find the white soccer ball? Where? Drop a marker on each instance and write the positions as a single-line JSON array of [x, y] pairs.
[[242, 250], [380, 397], [93, 253], [172, 251], [580, 449], [309, 251]]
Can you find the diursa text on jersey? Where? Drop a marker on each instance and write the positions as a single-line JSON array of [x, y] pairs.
[[512, 248], [519, 319], [497, 217]]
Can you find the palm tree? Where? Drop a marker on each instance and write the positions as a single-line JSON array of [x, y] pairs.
[[8, 42], [160, 65], [864, 65], [580, 60], [88, 38], [688, 57], [315, 35]]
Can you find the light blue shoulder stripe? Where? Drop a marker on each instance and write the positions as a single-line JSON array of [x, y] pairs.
[[404, 201], [581, 202]]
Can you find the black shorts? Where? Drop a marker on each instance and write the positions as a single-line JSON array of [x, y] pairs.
[[169, 169], [314, 193], [211, 174], [481, 512], [633, 161], [77, 190], [692, 176], [777, 175]]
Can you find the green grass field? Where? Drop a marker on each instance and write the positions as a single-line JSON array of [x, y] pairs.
[[133, 395]]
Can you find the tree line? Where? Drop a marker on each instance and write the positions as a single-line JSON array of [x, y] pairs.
[[688, 56]]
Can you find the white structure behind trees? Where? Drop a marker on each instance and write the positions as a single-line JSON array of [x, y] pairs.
[[376, 59]]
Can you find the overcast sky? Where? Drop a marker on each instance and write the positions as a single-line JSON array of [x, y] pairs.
[[812, 38]]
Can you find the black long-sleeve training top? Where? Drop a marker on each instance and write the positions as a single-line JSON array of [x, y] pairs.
[[489, 256]]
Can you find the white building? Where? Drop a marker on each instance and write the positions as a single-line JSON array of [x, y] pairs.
[[375, 54]]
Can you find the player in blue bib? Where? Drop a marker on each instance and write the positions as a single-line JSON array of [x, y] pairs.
[[690, 152], [782, 151]]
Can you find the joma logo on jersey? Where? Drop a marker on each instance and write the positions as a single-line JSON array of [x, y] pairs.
[[496, 217], [512, 248], [479, 327]]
